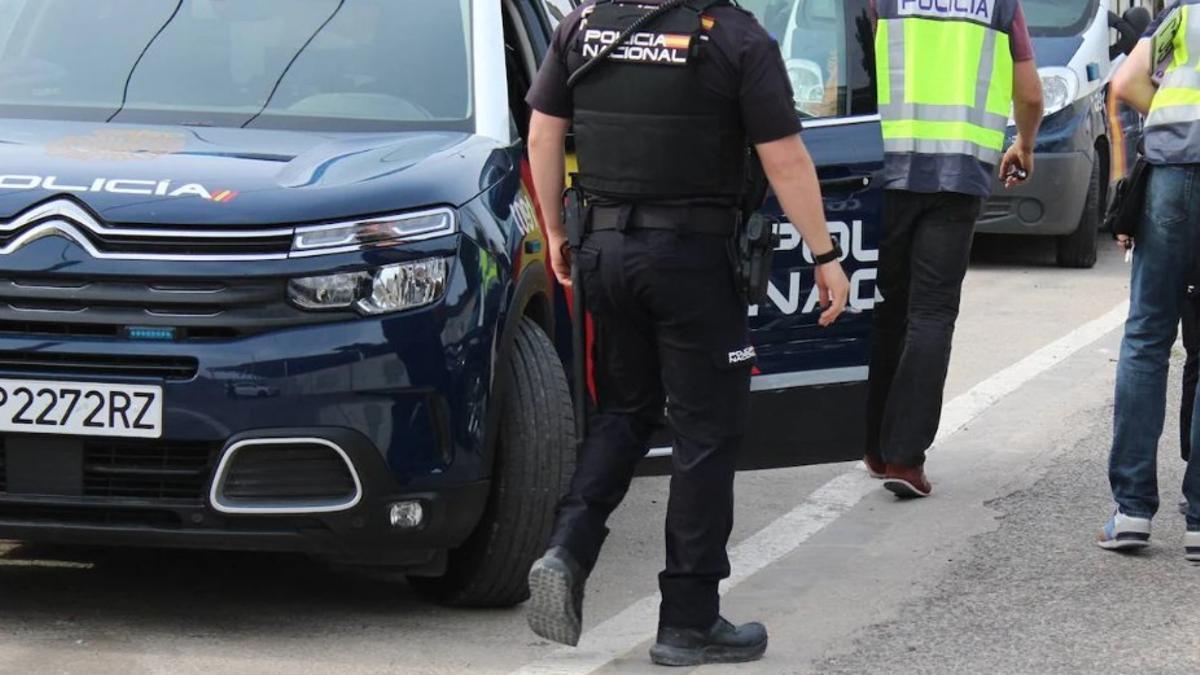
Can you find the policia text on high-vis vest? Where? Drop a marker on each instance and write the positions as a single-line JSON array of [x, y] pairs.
[[952, 109], [1172, 133]]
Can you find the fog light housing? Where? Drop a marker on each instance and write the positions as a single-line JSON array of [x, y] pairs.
[[406, 515], [391, 288]]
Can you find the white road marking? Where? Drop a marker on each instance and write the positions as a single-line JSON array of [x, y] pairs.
[[638, 622], [52, 564]]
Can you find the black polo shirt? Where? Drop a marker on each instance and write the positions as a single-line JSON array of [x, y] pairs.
[[744, 64]]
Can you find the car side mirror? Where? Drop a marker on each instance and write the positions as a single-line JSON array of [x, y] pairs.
[[1139, 18], [1129, 30]]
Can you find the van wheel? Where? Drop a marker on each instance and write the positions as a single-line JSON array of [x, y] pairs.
[[535, 457], [1078, 250]]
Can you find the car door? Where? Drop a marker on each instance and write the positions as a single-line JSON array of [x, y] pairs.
[[809, 387]]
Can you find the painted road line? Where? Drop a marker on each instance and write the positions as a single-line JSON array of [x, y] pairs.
[[638, 622]]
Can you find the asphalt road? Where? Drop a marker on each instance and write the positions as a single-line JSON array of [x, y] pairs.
[[997, 573]]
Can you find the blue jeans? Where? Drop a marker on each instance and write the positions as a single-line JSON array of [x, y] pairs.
[[1162, 264]]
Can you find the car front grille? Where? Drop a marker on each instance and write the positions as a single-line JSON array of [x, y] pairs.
[[169, 473], [154, 470], [188, 309], [52, 514], [997, 208], [289, 473], [175, 368]]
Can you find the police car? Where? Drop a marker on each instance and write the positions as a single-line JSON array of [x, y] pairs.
[[274, 281]]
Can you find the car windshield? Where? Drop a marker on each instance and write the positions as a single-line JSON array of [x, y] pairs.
[[812, 37], [1058, 18], [286, 64]]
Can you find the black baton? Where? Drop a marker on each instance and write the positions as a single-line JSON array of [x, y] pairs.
[[579, 350], [575, 218]]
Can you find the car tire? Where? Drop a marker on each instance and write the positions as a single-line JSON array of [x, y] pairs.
[[1078, 249], [534, 460]]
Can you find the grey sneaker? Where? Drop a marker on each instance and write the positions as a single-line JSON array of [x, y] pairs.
[[556, 583], [1191, 547], [1123, 533]]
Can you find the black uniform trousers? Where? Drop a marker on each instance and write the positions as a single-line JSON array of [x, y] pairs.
[[669, 329], [923, 260]]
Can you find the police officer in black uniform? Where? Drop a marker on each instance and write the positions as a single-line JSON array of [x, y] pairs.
[[666, 98]]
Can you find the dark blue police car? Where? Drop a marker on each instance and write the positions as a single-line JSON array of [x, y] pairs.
[[271, 278]]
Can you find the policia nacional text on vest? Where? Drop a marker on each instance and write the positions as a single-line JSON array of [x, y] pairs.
[[944, 119], [650, 137], [1172, 134]]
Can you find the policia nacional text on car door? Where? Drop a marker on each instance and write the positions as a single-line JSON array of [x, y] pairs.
[[827, 48]]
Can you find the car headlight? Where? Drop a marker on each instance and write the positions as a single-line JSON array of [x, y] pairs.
[[1060, 86], [391, 288], [357, 235]]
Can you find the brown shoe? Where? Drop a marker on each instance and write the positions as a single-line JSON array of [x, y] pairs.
[[876, 467], [907, 482]]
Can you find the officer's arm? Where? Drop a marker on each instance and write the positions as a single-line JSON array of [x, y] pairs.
[[547, 150], [1132, 83], [1028, 104], [793, 175]]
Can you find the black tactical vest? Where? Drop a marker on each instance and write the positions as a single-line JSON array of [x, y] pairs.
[[646, 130]]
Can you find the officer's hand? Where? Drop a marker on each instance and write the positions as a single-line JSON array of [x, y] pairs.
[[560, 262], [834, 288], [1017, 165]]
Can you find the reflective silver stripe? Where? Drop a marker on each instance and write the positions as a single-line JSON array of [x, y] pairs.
[[983, 79], [1184, 77], [825, 122], [1174, 114], [808, 378], [896, 39], [925, 146], [944, 113]]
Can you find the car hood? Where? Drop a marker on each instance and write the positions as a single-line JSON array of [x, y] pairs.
[[218, 176]]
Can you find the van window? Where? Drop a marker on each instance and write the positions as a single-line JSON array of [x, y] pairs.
[[322, 64], [827, 46], [1059, 18], [558, 10]]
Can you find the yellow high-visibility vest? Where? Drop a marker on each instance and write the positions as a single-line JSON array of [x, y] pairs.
[[1172, 131], [945, 75]]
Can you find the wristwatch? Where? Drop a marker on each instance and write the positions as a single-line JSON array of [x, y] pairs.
[[831, 256]]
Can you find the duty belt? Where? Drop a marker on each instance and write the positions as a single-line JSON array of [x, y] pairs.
[[709, 220]]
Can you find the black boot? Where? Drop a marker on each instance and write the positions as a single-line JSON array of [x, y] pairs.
[[723, 643], [556, 584]]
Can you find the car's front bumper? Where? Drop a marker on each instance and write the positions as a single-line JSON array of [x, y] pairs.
[[1050, 204], [404, 396]]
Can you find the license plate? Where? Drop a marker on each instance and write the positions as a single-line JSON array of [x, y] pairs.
[[80, 408]]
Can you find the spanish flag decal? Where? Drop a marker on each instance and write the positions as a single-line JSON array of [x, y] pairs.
[[707, 22]]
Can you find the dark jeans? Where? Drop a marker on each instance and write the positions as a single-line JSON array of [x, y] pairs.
[[1191, 373], [922, 262], [670, 329], [1162, 263]]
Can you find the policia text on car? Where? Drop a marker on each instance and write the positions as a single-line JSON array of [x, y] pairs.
[[662, 128]]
